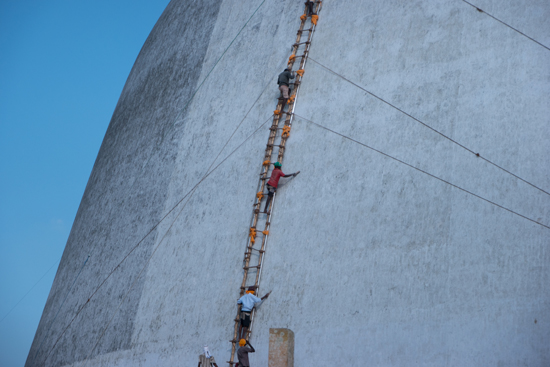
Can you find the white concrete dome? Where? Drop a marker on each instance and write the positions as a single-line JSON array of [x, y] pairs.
[[370, 261]]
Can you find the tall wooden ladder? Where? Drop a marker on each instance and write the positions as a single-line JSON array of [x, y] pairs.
[[260, 223]]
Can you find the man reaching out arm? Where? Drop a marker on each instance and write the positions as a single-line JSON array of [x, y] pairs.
[[274, 182]]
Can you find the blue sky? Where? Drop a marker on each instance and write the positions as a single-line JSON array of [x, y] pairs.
[[63, 65]]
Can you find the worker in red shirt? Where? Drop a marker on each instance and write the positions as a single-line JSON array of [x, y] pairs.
[[274, 182]]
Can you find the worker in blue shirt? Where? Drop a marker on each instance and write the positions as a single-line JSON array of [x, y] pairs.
[[248, 301]]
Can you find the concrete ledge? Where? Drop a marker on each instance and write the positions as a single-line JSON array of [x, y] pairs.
[[281, 348]]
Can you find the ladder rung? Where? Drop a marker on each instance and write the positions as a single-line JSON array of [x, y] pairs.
[[305, 30], [251, 267], [301, 43], [255, 249], [252, 248]]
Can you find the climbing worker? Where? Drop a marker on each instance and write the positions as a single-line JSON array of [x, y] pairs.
[[242, 352], [309, 6], [248, 301], [206, 359], [274, 182], [284, 85]]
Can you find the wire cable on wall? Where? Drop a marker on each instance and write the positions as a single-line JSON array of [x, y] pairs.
[[507, 25], [59, 309], [208, 172], [156, 146], [29, 291], [163, 218], [421, 170], [186, 195], [428, 126], [167, 214], [184, 108]]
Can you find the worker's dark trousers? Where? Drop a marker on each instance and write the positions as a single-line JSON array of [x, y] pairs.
[[269, 197], [309, 5], [270, 192], [284, 90]]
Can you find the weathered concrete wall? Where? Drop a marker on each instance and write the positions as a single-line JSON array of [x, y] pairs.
[[367, 257]]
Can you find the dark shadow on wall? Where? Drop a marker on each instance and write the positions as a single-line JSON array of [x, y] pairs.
[[126, 193]]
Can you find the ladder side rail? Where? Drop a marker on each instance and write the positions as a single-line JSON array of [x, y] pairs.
[[256, 283], [254, 220], [261, 184], [264, 171], [235, 334], [260, 270], [310, 36], [264, 243], [303, 61], [288, 122], [299, 33], [289, 116], [298, 39]]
